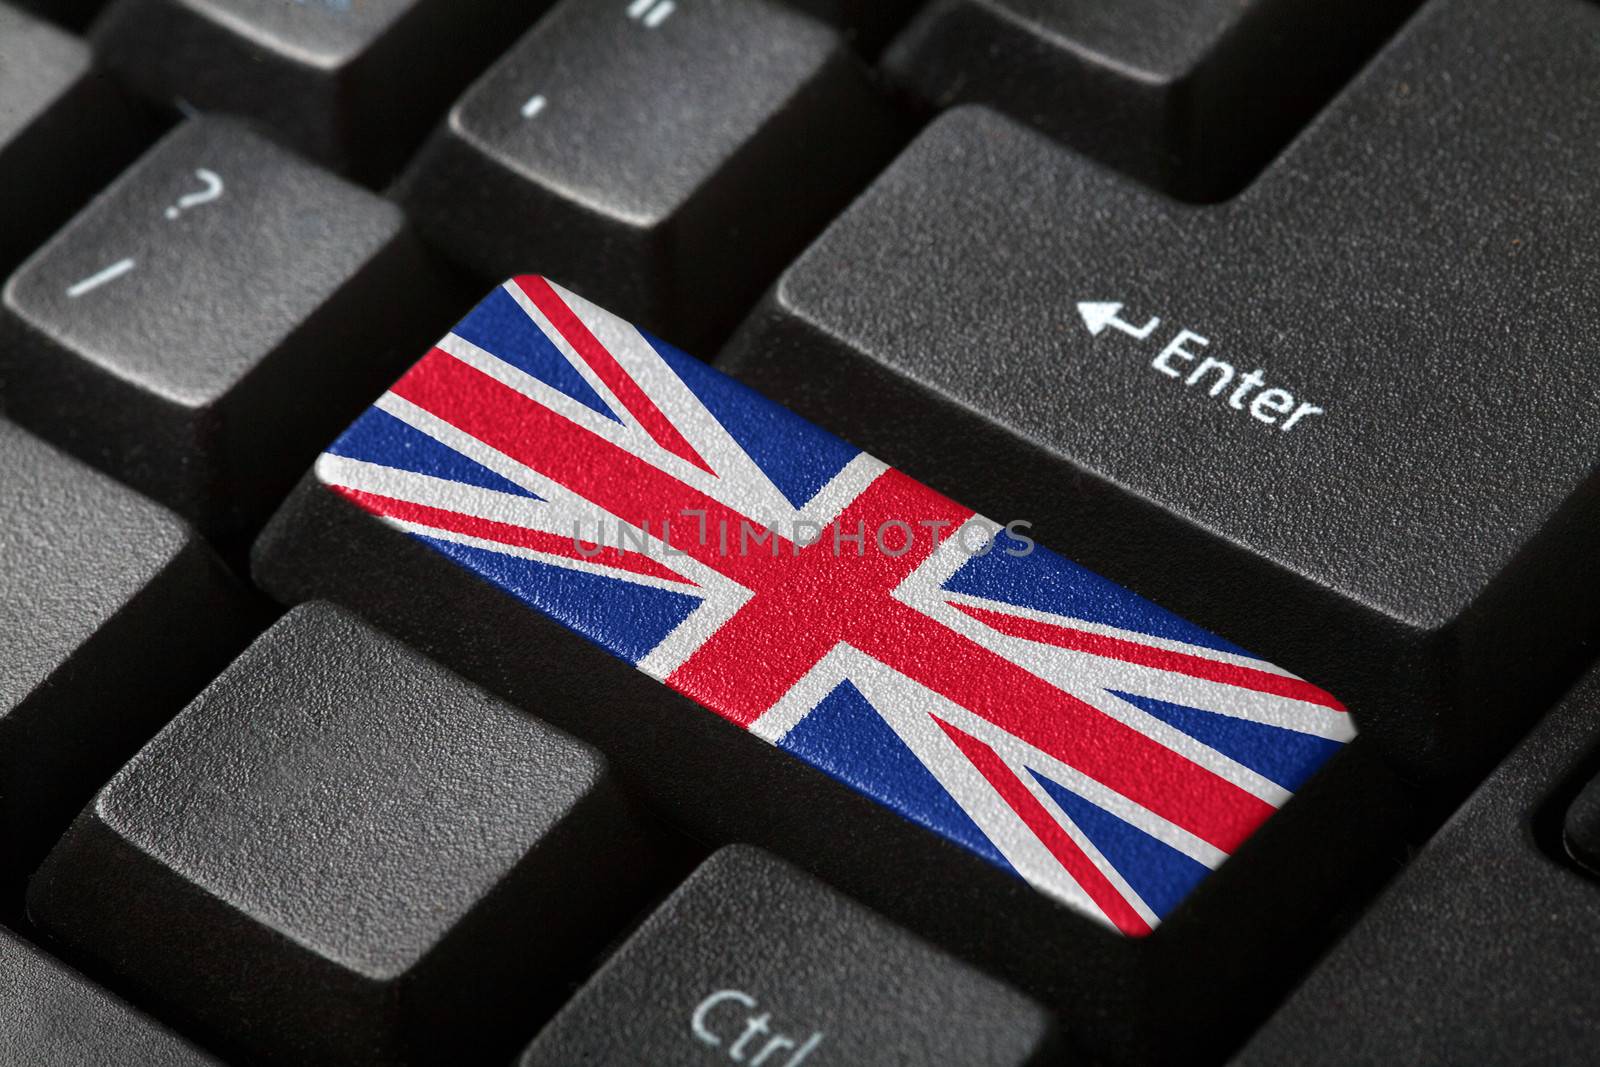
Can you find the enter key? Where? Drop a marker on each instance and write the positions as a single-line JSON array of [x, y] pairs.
[[1348, 418]]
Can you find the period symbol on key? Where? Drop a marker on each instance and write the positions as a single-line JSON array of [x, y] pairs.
[[651, 12], [213, 188]]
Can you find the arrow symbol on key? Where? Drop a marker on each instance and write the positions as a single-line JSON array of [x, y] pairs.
[[1098, 316]]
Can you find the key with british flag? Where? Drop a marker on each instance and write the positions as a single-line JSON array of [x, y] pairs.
[[729, 600]]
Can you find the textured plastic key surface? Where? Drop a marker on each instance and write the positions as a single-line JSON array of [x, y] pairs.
[[753, 961], [665, 159], [342, 853], [544, 471], [1349, 418], [207, 322], [112, 614], [1193, 97], [64, 131], [51, 1016], [353, 83], [1484, 950]]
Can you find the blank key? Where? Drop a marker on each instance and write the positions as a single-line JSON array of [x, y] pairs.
[[366, 859], [53, 1017], [112, 614]]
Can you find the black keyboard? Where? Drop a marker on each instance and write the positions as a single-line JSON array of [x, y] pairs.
[[799, 532]]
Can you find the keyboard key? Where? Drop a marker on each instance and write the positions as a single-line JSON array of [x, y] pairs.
[[342, 853], [112, 614], [666, 159], [1191, 97], [354, 84], [205, 324], [52, 1017], [1301, 428], [64, 130], [542, 474], [751, 961], [1484, 950]]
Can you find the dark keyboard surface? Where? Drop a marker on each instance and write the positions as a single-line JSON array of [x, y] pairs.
[[1488, 937], [799, 532]]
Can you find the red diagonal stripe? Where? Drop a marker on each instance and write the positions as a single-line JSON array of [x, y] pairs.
[[1061, 845], [506, 534], [1057, 723], [1149, 656], [635, 491], [606, 367]]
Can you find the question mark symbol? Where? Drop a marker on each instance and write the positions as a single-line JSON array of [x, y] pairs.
[[212, 191]]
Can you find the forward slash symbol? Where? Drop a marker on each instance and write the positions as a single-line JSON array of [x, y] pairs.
[[1098, 316], [99, 278]]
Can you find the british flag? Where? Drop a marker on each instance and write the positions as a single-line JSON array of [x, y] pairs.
[[1101, 748]]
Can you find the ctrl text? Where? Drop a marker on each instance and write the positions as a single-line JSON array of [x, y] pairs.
[[730, 1020]]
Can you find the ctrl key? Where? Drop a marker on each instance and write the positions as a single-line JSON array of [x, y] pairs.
[[753, 962]]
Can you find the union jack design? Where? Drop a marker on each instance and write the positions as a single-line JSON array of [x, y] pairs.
[[1101, 748]]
